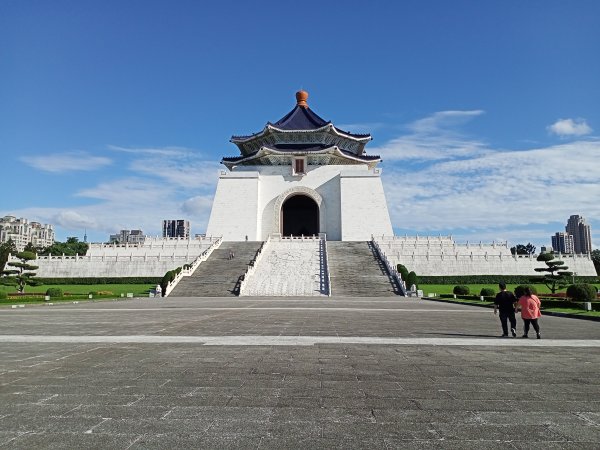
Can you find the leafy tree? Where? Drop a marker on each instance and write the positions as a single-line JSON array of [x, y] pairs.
[[69, 248], [596, 260], [521, 249], [22, 274], [556, 276], [32, 248], [6, 248]]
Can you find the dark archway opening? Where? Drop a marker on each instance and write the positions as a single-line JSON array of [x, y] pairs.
[[299, 216]]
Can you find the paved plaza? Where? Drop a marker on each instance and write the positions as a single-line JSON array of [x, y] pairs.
[[293, 373]]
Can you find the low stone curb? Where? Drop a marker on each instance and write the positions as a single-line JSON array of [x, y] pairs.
[[570, 316], [545, 313]]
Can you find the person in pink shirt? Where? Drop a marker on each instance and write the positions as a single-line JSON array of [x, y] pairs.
[[529, 305]]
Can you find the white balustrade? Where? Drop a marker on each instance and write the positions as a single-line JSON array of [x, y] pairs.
[[186, 272]]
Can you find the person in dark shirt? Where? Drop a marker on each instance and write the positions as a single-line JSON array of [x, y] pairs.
[[506, 302]]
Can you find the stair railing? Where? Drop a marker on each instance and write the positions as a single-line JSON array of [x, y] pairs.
[[325, 275], [243, 280], [186, 272], [391, 270]]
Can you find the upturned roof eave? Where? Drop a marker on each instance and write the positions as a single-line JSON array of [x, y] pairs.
[[269, 127], [333, 150]]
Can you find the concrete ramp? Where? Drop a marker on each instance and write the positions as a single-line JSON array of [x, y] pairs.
[[357, 271], [218, 276]]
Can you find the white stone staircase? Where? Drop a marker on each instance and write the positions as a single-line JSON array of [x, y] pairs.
[[289, 267]]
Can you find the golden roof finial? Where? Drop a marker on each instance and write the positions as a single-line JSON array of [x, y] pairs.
[[301, 97]]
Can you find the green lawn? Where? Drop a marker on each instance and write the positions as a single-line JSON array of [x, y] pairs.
[[116, 289]]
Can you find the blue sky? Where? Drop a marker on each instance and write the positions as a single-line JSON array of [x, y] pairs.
[[115, 114]]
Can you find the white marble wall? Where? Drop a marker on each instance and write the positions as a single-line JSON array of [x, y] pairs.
[[153, 258], [248, 201], [92, 268], [152, 247], [363, 206], [234, 209], [442, 256]]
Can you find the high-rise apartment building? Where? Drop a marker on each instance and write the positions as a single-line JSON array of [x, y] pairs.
[[176, 228], [581, 232], [22, 232], [562, 243], [128, 237]]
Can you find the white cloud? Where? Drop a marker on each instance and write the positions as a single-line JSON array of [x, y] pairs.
[[198, 206], [72, 220], [188, 172], [162, 151], [158, 183], [497, 190], [134, 192], [67, 162], [361, 128], [570, 127], [442, 120], [433, 138], [176, 166]]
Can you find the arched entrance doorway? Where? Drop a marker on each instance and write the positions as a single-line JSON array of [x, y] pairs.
[[299, 216]]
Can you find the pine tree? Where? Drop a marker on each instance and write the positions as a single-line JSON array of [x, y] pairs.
[[22, 274], [556, 276], [6, 248]]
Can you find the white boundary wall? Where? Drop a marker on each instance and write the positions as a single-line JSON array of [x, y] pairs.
[[248, 201], [439, 256], [152, 259]]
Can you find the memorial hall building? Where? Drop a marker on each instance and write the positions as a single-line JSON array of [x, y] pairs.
[[300, 175]]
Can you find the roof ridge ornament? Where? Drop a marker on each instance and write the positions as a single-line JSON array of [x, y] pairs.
[[301, 97]]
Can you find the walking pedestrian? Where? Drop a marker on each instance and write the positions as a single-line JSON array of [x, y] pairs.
[[529, 304], [506, 303]]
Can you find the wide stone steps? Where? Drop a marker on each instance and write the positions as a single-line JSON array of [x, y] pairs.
[[289, 268], [356, 270], [218, 275]]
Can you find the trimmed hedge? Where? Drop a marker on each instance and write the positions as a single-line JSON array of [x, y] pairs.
[[546, 302], [461, 290], [411, 279], [3, 295], [487, 292], [582, 292], [488, 279], [54, 292], [107, 280], [520, 290], [403, 271], [168, 277]]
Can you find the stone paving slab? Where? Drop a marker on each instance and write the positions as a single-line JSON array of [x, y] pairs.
[[444, 381]]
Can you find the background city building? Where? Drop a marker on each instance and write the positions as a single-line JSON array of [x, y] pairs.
[[562, 243], [581, 232], [128, 237], [176, 228], [22, 232]]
